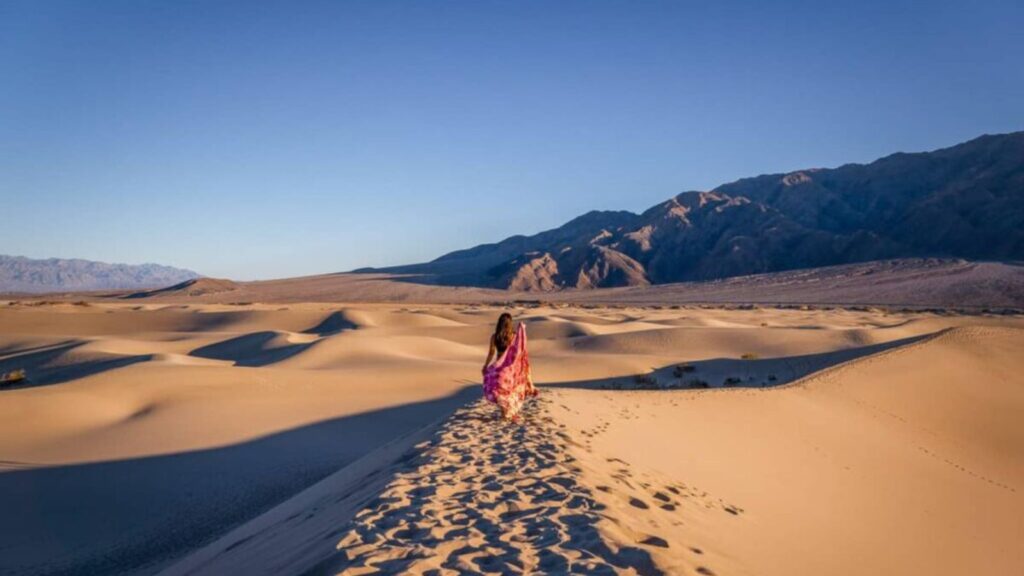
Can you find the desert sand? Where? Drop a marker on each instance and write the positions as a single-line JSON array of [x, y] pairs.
[[290, 438]]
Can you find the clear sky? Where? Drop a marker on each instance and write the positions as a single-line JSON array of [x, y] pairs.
[[269, 139]]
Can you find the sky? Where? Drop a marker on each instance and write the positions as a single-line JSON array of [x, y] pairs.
[[255, 140]]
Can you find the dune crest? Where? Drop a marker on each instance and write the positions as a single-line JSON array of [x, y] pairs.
[[521, 499]]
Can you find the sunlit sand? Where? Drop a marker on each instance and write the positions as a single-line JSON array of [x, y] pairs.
[[282, 438]]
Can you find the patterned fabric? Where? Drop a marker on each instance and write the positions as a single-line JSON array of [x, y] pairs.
[[507, 380]]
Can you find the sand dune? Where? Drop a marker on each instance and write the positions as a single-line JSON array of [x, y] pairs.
[[520, 499], [901, 462], [276, 439], [258, 348]]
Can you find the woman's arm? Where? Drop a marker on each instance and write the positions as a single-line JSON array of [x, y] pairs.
[[490, 355]]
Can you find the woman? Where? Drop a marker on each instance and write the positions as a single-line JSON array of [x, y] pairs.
[[507, 380]]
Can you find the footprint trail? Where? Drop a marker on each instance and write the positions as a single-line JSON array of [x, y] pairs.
[[482, 496]]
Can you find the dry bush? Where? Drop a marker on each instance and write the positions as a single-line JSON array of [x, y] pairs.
[[13, 377]]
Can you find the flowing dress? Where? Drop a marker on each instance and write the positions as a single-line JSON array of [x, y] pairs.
[[507, 380]]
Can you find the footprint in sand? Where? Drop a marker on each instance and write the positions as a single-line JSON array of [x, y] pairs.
[[638, 503], [510, 501]]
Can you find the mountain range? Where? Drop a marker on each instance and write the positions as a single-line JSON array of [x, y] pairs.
[[965, 201], [20, 274]]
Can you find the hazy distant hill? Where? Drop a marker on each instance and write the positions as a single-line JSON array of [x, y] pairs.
[[966, 201], [19, 274]]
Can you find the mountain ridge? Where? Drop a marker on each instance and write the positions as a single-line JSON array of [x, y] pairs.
[[37, 276], [962, 201]]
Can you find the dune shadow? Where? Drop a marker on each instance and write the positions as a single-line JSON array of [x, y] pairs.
[[207, 321], [735, 372], [250, 349], [134, 515], [334, 323], [45, 366]]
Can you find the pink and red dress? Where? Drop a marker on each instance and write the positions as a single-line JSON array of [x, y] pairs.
[[507, 380]]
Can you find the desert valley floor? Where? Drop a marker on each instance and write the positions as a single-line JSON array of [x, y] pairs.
[[301, 438]]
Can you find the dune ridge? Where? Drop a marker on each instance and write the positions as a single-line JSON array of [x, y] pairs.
[[527, 499]]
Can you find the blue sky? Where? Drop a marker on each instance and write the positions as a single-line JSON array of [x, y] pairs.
[[269, 139]]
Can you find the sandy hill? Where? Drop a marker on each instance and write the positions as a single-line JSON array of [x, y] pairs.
[[966, 201], [193, 287]]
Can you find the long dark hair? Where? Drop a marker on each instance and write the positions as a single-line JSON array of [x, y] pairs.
[[503, 332]]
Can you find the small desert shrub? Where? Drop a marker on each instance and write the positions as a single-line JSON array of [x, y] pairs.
[[681, 369], [749, 356], [13, 377]]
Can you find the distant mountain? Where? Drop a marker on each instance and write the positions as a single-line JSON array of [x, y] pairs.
[[19, 274], [966, 201], [517, 262]]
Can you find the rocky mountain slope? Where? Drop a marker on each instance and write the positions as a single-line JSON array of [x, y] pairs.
[[20, 274], [966, 201]]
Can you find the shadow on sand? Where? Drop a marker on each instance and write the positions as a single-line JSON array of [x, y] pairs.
[[254, 349], [736, 372], [333, 324], [130, 516], [47, 365]]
